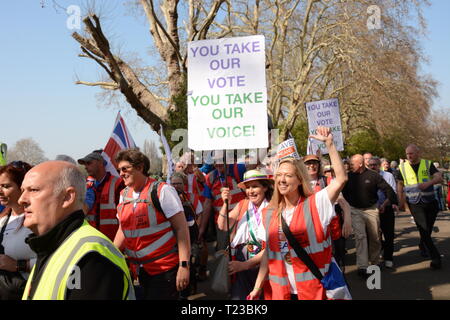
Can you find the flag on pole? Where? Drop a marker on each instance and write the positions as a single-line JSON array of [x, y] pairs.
[[170, 164], [120, 139]]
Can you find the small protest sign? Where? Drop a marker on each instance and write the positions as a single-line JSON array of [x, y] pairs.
[[287, 149], [324, 113]]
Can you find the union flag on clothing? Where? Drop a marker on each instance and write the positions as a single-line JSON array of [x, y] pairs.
[[120, 139]]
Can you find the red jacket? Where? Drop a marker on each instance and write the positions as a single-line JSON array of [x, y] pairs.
[[102, 216], [214, 184]]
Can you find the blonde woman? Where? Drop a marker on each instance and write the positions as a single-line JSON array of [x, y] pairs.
[[308, 216]]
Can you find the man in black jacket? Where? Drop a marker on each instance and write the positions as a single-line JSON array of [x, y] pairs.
[[53, 197], [361, 192]]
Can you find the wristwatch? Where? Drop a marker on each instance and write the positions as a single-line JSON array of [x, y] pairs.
[[184, 264], [22, 265]]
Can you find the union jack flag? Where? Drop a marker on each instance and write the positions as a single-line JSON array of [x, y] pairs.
[[120, 139]]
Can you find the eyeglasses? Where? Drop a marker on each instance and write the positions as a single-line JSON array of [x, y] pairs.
[[311, 163], [124, 169]]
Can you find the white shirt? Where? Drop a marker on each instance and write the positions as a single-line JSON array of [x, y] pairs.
[[169, 200], [326, 213], [14, 240], [243, 231]]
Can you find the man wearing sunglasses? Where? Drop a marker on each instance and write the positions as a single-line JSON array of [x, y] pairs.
[[102, 214]]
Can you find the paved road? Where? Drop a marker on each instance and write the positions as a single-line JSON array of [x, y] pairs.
[[412, 278]]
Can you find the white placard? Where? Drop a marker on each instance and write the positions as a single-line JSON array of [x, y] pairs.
[[287, 149], [324, 113], [227, 95]]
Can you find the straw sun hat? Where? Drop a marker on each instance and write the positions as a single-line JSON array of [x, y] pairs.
[[253, 175]]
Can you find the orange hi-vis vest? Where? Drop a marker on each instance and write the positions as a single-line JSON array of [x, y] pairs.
[[149, 239], [102, 216], [215, 184], [335, 224], [307, 229]]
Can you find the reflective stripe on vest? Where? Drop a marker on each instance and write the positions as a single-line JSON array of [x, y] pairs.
[[55, 278], [108, 222], [299, 277], [111, 205], [150, 248], [411, 181]]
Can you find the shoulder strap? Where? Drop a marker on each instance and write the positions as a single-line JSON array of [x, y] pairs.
[[243, 208], [2, 248], [427, 166], [154, 195], [301, 253]]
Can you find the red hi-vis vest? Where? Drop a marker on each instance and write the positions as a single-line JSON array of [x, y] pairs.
[[214, 184], [307, 229], [194, 187], [149, 238], [102, 216], [335, 224]]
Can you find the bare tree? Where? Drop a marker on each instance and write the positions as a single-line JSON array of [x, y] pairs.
[[151, 151], [27, 150], [438, 143], [316, 49]]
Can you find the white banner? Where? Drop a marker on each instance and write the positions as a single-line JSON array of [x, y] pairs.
[[227, 95], [324, 113]]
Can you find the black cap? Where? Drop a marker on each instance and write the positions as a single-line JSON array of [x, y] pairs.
[[91, 156]]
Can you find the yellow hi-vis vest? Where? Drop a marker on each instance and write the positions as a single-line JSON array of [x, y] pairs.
[[56, 277], [413, 194]]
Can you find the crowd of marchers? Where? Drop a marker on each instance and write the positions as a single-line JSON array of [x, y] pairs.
[[126, 235]]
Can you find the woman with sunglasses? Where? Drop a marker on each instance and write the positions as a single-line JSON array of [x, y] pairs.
[[307, 215], [247, 230], [153, 231], [16, 257]]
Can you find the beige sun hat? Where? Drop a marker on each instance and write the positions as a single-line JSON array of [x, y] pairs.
[[253, 175]]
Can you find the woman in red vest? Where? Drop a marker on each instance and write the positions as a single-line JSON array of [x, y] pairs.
[[153, 231], [247, 230], [308, 216]]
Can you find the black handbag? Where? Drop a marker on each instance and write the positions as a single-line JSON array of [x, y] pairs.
[[12, 284]]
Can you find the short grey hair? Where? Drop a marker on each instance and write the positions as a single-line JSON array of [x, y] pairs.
[[70, 176], [64, 157], [181, 176]]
